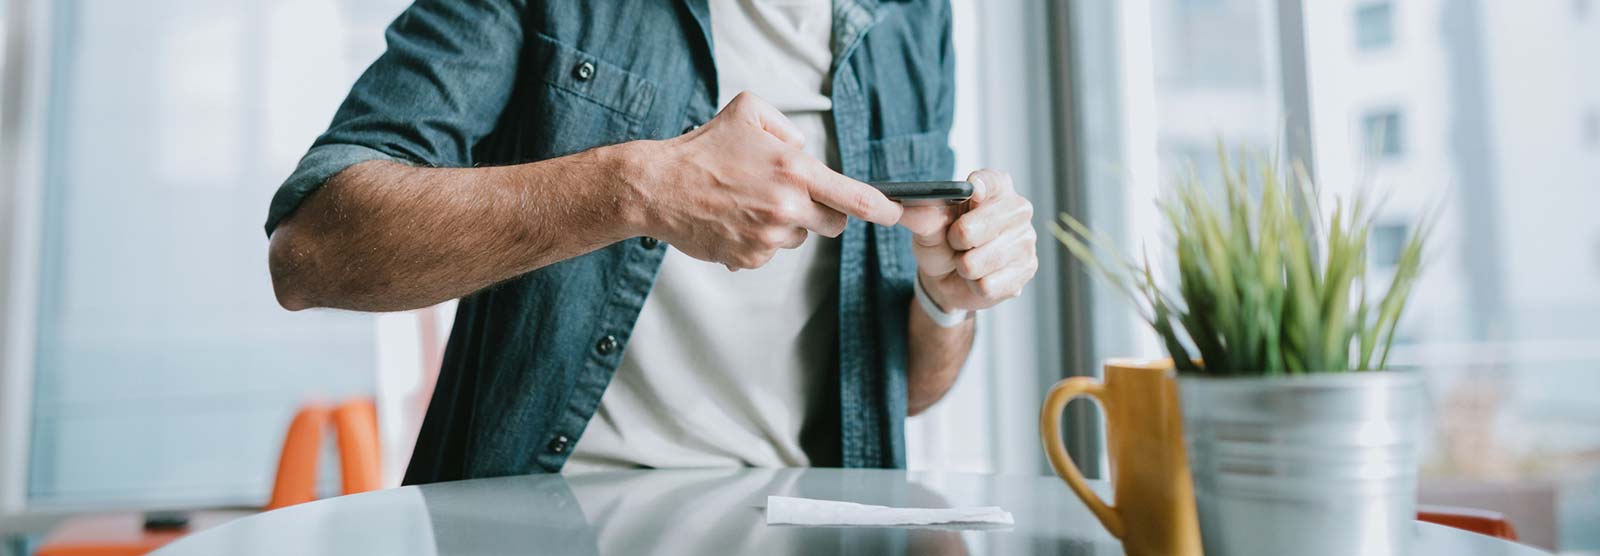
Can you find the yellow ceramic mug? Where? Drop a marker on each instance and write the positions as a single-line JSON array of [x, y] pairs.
[[1154, 496]]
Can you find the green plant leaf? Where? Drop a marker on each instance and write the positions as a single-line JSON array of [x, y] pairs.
[[1262, 283]]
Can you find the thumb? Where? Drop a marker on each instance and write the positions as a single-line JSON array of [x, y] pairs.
[[983, 187], [980, 189], [988, 185]]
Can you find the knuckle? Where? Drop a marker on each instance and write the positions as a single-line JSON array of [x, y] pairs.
[[774, 237], [861, 202], [967, 265], [960, 233], [791, 167], [761, 258], [747, 260], [989, 288], [786, 210]]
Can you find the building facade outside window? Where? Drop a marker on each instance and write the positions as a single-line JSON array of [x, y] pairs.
[[1375, 26], [1384, 132], [1388, 239], [1591, 129]]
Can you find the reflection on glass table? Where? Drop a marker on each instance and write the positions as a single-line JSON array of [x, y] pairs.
[[711, 511]]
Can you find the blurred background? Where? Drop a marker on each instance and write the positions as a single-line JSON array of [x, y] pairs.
[[144, 363]]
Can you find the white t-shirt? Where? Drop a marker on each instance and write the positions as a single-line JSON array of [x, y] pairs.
[[724, 368]]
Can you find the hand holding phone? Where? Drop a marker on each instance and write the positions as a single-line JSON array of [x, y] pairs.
[[979, 254]]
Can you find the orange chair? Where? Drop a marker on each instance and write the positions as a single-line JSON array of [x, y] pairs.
[[360, 465], [355, 422], [1483, 522], [296, 481]]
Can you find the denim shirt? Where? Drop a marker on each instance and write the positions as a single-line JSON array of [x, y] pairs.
[[492, 82]]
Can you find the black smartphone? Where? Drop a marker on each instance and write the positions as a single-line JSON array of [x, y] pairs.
[[925, 192]]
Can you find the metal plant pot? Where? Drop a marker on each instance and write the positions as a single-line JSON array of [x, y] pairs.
[[1307, 465]]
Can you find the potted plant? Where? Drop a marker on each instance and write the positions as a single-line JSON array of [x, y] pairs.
[[1299, 438]]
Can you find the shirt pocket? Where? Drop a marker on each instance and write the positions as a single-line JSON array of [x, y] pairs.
[[912, 157], [588, 102]]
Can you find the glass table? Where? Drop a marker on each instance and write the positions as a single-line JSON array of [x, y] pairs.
[[710, 511]]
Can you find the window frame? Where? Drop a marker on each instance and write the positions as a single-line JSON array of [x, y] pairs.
[[23, 104]]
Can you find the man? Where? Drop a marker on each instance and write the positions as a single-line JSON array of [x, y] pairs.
[[644, 284]]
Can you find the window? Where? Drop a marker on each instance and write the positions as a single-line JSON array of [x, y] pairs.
[[1501, 320], [169, 131], [1211, 44], [1388, 240], [1374, 26], [1383, 132], [1591, 129], [1501, 317], [1213, 57]]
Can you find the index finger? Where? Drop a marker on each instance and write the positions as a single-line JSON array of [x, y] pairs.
[[854, 198]]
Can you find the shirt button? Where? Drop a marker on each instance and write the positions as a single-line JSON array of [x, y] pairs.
[[558, 444], [584, 71], [606, 345], [649, 242], [691, 127]]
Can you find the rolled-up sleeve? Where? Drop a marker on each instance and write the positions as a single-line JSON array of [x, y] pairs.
[[439, 88]]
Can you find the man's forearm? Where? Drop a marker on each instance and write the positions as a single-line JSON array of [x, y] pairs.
[[383, 236], [935, 358]]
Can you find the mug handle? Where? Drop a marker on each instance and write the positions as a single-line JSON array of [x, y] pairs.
[[1050, 430]]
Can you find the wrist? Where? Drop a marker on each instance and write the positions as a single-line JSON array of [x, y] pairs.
[[936, 311], [627, 170]]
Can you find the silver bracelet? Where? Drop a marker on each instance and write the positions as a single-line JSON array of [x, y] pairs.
[[941, 317]]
